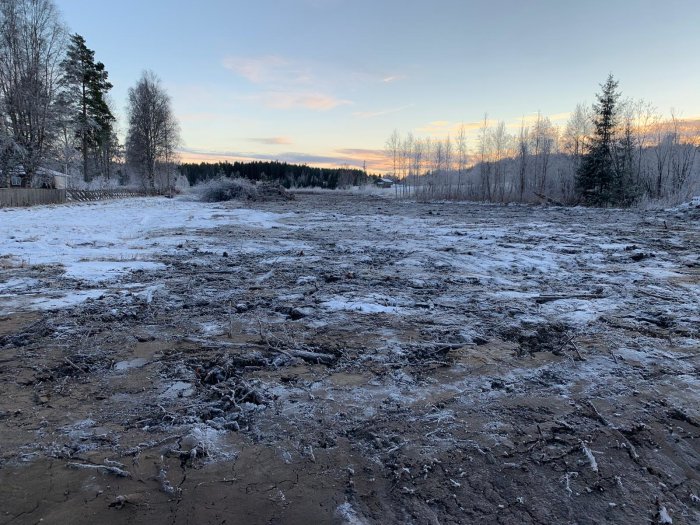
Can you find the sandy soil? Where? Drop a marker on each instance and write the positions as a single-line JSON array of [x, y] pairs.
[[360, 360]]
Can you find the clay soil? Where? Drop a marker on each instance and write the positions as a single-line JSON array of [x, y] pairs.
[[365, 360]]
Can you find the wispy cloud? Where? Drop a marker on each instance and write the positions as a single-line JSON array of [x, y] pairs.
[[268, 69], [287, 84], [289, 156], [271, 141], [443, 128], [374, 159], [393, 78], [373, 114], [299, 99]]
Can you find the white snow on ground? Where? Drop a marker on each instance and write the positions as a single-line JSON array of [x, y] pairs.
[[359, 306], [97, 271], [119, 232], [349, 515], [9, 303], [98, 242]]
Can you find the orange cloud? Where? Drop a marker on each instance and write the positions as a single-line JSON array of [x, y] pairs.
[[189, 156], [293, 100], [271, 141]]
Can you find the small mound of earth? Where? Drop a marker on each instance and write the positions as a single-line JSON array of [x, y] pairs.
[[551, 337], [272, 191]]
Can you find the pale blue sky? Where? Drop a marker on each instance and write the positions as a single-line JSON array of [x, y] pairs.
[[300, 79]]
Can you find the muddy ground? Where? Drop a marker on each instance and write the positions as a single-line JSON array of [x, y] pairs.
[[362, 360]]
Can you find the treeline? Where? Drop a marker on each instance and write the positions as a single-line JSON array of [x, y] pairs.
[[289, 175], [619, 152], [56, 116]]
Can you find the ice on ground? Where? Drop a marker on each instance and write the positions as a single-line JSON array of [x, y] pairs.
[[257, 218], [14, 285], [100, 242], [98, 271], [10, 304], [359, 306], [137, 362], [211, 328], [177, 389], [213, 442], [349, 515], [113, 235]]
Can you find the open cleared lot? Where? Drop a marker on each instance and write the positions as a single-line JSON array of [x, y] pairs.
[[348, 359]]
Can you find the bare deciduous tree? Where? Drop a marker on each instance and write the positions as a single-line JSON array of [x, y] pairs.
[[461, 143], [32, 42], [153, 133], [484, 160]]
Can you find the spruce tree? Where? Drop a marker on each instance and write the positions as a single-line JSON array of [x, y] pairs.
[[596, 178], [85, 88], [625, 190]]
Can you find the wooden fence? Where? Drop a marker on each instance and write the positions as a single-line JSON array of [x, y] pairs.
[[19, 197], [98, 195], [14, 197]]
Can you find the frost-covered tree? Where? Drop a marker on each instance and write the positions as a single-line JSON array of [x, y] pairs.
[[32, 41], [85, 92], [153, 133], [462, 158], [544, 138], [392, 147]]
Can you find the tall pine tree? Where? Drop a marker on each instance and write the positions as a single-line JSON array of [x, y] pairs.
[[596, 178], [85, 89]]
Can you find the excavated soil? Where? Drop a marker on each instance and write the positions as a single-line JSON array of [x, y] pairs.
[[362, 360]]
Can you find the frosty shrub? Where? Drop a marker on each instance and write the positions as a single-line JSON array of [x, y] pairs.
[[225, 189]]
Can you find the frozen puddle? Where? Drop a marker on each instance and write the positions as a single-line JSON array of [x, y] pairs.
[[128, 365], [97, 271], [12, 303], [366, 305], [178, 389]]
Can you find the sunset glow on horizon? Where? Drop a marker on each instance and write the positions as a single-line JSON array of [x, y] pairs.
[[325, 82]]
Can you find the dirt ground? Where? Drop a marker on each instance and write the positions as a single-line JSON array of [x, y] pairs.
[[362, 360]]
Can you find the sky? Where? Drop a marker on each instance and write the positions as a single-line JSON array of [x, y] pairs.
[[325, 82]]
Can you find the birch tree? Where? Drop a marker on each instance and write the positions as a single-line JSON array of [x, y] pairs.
[[484, 164], [392, 149], [153, 133], [32, 42], [461, 144]]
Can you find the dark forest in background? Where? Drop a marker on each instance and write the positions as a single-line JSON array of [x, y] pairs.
[[289, 175]]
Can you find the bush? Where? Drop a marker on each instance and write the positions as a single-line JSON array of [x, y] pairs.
[[227, 189], [219, 190]]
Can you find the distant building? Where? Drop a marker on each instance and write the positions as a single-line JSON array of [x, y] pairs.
[[44, 178], [14, 177], [384, 183]]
